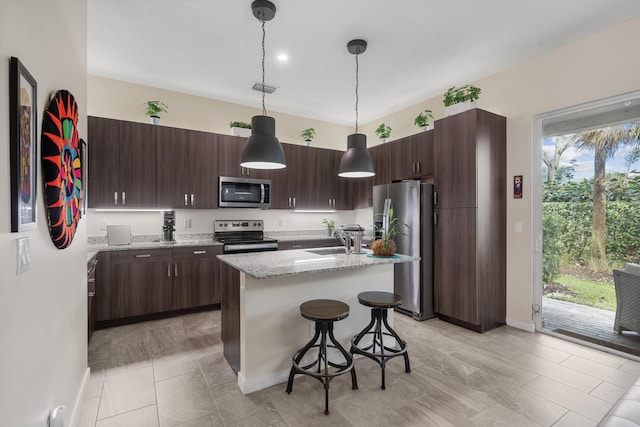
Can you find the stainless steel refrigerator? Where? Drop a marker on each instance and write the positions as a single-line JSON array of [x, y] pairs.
[[412, 203]]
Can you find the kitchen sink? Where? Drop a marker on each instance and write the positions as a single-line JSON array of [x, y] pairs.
[[327, 251]]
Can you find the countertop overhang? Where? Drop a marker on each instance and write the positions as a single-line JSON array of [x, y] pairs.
[[268, 265]]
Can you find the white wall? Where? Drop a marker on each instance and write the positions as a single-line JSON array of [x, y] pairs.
[[43, 314]]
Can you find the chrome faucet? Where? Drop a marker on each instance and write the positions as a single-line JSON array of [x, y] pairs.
[[351, 237]]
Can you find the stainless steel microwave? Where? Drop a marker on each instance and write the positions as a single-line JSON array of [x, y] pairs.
[[237, 192]]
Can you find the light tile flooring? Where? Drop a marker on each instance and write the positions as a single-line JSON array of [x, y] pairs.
[[172, 372]]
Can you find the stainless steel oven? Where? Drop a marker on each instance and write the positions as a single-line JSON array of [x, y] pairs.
[[237, 192], [242, 236]]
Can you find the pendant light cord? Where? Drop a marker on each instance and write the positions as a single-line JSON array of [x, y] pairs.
[[264, 110], [357, 91]]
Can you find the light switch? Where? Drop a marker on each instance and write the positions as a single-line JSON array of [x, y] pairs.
[[518, 227], [187, 223], [23, 262]]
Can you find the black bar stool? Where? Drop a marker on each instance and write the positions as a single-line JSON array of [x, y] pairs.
[[323, 312], [380, 302]]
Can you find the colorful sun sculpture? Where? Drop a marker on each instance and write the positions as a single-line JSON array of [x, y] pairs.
[[62, 168]]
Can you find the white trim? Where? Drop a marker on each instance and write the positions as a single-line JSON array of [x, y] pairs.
[[536, 187], [77, 405], [525, 326]]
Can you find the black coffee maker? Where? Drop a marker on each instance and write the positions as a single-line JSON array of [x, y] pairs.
[[169, 226]]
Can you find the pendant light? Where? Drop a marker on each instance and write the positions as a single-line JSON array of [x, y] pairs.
[[263, 150], [356, 162]]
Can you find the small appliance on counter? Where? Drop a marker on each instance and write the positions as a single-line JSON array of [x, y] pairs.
[[169, 226]]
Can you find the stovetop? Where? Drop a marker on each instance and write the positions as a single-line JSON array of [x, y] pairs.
[[240, 231]]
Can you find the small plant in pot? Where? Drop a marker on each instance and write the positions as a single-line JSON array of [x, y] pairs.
[[330, 224], [465, 96], [240, 128], [385, 246], [383, 132], [154, 109], [308, 135], [423, 119]]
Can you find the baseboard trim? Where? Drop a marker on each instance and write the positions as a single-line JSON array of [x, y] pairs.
[[525, 326]]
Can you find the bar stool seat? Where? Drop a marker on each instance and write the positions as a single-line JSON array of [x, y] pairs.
[[377, 350], [324, 312]]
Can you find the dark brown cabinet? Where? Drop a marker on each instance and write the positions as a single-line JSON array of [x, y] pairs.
[[470, 233], [230, 314], [229, 155], [122, 164], [363, 188], [412, 157], [187, 163], [92, 318], [141, 282], [195, 281]]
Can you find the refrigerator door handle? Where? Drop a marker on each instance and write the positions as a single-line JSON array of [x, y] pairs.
[[385, 215]]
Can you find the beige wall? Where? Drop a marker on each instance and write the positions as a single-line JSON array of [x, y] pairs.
[[597, 67], [43, 312]]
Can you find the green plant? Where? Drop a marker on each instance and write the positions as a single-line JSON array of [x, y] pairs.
[[383, 131], [308, 134], [457, 95], [154, 108], [330, 224], [394, 228], [242, 125], [423, 118]]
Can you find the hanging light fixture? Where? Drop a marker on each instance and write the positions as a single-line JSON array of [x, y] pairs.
[[263, 150], [356, 162]]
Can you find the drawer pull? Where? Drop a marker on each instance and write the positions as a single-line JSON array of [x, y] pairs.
[[143, 256], [168, 270], [175, 270], [92, 280], [199, 252], [91, 294]]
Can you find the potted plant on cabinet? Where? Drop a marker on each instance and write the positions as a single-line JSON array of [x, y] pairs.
[[385, 246], [383, 132], [240, 129], [308, 135], [330, 224], [422, 120], [457, 100], [154, 109]]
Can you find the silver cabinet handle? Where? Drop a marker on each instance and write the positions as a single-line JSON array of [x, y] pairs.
[[435, 218], [91, 294], [435, 198], [199, 252], [185, 199], [168, 270], [175, 270], [193, 198], [143, 256], [115, 197], [294, 202], [124, 198], [289, 201], [92, 280]]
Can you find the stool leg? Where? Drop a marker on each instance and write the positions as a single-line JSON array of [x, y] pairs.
[[401, 343], [347, 357], [299, 355], [381, 315]]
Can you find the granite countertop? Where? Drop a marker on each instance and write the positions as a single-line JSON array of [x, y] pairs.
[[98, 247], [268, 265]]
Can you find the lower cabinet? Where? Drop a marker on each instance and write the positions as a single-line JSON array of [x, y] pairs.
[[140, 282]]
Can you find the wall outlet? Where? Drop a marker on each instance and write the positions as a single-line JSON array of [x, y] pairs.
[[103, 224], [187, 223], [281, 222]]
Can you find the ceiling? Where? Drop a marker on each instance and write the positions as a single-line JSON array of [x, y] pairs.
[[417, 48]]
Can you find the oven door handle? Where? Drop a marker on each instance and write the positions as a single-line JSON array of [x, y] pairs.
[[262, 193], [243, 247]]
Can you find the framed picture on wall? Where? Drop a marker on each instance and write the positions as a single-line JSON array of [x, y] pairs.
[[23, 143]]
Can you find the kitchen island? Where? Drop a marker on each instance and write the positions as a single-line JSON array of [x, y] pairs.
[[261, 296]]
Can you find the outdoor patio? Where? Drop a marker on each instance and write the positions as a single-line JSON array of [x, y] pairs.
[[587, 323]]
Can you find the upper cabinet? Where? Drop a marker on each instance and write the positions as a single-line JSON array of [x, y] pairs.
[[229, 155], [363, 187], [412, 157], [122, 164], [187, 163]]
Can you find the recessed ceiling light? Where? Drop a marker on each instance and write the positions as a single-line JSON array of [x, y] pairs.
[[283, 57]]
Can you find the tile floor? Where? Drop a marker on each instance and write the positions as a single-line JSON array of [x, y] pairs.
[[171, 372]]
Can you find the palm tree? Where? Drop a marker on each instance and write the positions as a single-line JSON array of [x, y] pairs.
[[603, 143]]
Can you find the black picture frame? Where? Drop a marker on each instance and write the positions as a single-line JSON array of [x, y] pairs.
[[23, 141]]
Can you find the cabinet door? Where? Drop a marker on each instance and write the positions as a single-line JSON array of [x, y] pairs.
[[229, 155], [321, 181], [455, 170], [104, 162], [141, 282], [403, 161], [203, 170], [455, 290], [194, 278], [363, 188], [281, 187], [102, 295], [423, 150], [230, 313], [137, 165], [172, 158]]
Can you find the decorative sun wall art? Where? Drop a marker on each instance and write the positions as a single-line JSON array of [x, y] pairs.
[[62, 168]]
